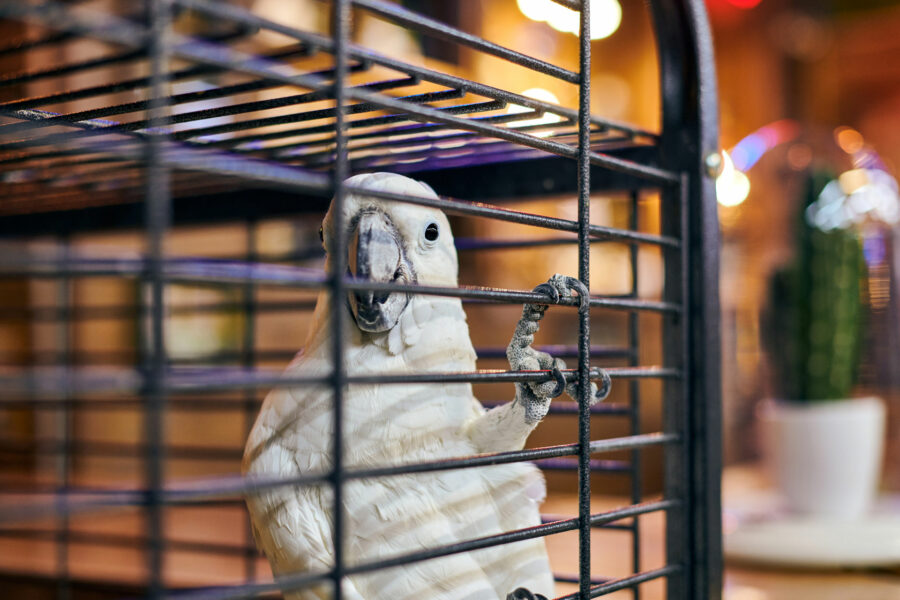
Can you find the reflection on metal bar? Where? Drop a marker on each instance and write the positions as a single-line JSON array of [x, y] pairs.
[[597, 466], [260, 105], [386, 137], [356, 124], [479, 148]]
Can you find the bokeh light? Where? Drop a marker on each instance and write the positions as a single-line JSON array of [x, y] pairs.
[[799, 156], [606, 16], [749, 150], [732, 185], [849, 140], [547, 118]]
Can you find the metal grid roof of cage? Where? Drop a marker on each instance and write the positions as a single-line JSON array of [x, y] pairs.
[[91, 140], [153, 161]]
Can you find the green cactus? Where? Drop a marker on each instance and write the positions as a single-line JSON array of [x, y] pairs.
[[816, 313]]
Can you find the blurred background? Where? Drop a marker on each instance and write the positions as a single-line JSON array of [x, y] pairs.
[[809, 100]]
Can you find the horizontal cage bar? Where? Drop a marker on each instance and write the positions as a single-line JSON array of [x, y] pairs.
[[292, 582], [203, 491]]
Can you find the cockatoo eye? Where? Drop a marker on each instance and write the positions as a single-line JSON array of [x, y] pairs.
[[432, 232]]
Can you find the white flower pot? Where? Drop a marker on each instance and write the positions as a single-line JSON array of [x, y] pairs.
[[825, 456]]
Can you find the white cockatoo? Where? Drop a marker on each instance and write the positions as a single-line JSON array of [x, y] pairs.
[[392, 424]]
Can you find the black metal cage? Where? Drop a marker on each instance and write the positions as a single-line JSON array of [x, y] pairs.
[[173, 113]]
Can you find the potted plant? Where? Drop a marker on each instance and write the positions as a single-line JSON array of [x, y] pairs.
[[823, 447]]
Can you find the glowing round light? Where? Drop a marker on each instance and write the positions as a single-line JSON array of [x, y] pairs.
[[853, 180], [547, 118], [533, 9], [606, 16], [562, 19], [850, 140], [732, 186]]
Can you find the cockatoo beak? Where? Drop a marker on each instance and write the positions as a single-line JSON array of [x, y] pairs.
[[376, 254]]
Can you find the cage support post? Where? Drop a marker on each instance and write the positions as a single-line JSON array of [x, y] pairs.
[[340, 22], [157, 214], [691, 342], [584, 316]]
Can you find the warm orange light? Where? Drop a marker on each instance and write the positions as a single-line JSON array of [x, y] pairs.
[[547, 118], [849, 139], [732, 185], [853, 180], [606, 15]]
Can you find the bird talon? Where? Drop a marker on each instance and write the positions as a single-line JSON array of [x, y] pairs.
[[548, 290], [560, 383], [604, 388], [584, 294]]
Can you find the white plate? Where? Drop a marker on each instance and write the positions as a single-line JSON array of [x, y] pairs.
[[779, 539]]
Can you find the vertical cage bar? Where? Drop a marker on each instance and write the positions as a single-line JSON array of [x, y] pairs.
[[584, 330], [679, 543], [157, 216], [340, 23], [691, 341], [64, 426], [634, 389], [248, 361]]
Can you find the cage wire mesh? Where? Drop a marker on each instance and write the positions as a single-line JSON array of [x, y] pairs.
[[135, 321]]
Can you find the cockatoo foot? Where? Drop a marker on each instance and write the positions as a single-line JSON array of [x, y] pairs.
[[523, 594], [536, 396]]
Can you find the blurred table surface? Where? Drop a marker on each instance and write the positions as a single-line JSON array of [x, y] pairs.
[[749, 582]]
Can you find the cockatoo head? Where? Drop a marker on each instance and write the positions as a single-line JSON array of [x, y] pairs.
[[390, 241]]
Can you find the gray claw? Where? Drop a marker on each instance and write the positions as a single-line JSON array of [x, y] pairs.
[[548, 290], [604, 389], [560, 383], [584, 294]]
